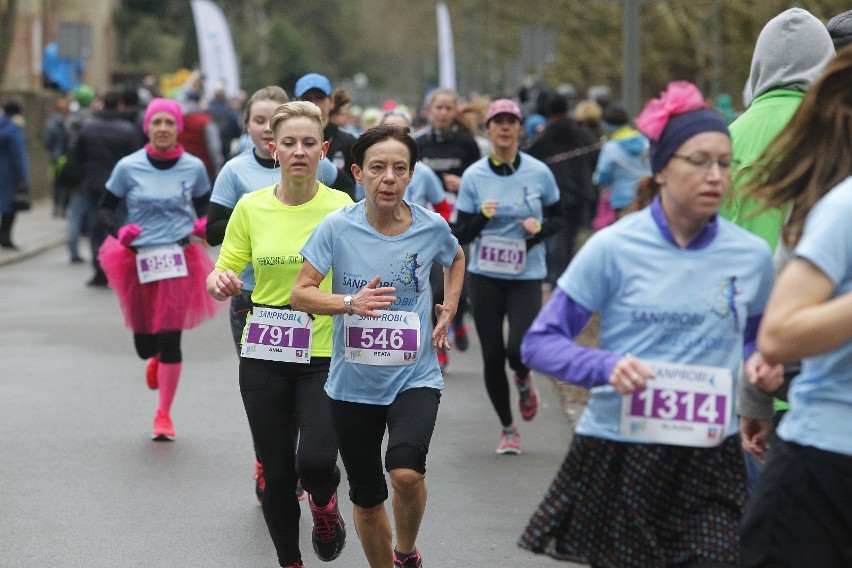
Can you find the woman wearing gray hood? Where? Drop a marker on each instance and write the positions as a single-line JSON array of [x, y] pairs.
[[791, 51]]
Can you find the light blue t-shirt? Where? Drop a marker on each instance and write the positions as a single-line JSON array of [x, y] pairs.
[[523, 194], [659, 302], [820, 397], [243, 174], [345, 242], [159, 201], [424, 189]]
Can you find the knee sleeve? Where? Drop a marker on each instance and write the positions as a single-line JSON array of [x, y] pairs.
[[146, 345], [168, 345], [369, 496], [407, 456]]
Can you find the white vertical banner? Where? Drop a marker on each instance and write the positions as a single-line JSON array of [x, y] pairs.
[[446, 51], [215, 48]]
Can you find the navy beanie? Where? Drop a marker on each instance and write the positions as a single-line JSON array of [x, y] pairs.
[[681, 128]]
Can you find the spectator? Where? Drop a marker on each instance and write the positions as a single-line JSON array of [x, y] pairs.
[[570, 152], [14, 171]]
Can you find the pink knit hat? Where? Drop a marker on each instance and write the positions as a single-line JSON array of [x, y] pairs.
[[159, 104]]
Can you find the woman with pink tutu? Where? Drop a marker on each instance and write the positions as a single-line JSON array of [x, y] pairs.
[[150, 262]]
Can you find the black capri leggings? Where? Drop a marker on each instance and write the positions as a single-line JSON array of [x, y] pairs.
[[493, 300], [166, 344], [410, 421]]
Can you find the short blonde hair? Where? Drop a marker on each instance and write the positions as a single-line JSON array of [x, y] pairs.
[[294, 109]]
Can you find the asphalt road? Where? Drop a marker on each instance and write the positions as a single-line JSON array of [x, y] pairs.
[[84, 486]]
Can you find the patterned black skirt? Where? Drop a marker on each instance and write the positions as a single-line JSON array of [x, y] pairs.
[[623, 505]]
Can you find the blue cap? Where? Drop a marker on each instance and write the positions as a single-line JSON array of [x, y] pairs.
[[313, 81]]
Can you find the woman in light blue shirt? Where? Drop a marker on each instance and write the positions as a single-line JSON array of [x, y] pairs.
[[801, 512]]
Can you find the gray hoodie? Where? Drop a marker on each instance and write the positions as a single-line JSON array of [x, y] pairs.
[[791, 52]]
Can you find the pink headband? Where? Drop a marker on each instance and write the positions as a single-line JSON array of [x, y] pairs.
[[170, 106]]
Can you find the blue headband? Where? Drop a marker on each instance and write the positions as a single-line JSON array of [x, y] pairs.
[[680, 129]]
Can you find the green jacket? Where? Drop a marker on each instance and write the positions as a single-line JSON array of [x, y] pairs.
[[751, 133]]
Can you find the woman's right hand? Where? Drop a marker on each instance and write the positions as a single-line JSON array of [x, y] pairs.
[[368, 299], [223, 285], [630, 374], [489, 207]]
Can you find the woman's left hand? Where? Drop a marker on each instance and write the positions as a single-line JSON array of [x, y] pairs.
[[531, 225], [440, 337]]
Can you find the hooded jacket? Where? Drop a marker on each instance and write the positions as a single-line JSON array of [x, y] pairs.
[[13, 163], [623, 161], [791, 51]]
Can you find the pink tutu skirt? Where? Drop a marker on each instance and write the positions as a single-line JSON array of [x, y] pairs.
[[164, 305]]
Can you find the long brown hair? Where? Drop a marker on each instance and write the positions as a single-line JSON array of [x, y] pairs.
[[812, 153]]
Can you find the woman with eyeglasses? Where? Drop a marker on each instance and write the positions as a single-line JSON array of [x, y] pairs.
[[655, 473]]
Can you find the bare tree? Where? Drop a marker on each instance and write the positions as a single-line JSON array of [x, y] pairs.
[[8, 15]]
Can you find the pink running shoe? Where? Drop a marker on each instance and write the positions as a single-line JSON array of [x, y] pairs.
[[151, 372], [528, 397], [164, 431], [510, 442], [259, 482]]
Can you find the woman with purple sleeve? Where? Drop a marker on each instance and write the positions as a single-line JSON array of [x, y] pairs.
[[655, 474]]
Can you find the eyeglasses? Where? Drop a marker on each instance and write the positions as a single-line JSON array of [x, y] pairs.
[[706, 162]]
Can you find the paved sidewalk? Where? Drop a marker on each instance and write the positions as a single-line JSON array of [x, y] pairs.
[[34, 232]]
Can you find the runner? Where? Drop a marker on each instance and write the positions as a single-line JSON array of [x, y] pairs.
[[156, 272], [655, 473], [508, 203], [801, 512], [449, 150], [384, 372], [285, 354], [247, 172]]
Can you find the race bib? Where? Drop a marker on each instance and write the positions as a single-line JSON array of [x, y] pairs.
[[685, 405], [160, 263], [501, 255], [276, 334], [391, 339]]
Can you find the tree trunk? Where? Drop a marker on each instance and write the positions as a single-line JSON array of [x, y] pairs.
[[8, 15]]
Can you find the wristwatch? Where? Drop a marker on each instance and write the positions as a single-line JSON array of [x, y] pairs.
[[347, 302]]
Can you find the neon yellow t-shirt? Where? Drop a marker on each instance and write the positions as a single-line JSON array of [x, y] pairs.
[[269, 234]]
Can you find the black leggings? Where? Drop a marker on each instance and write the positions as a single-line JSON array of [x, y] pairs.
[[279, 399], [166, 344], [493, 300]]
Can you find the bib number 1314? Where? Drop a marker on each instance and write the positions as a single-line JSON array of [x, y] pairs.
[[685, 405]]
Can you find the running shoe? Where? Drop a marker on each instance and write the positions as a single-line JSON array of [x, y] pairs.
[[460, 335], [151, 373], [164, 431], [300, 491], [413, 561], [528, 399], [259, 482], [296, 565], [443, 359], [510, 442], [329, 534]]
